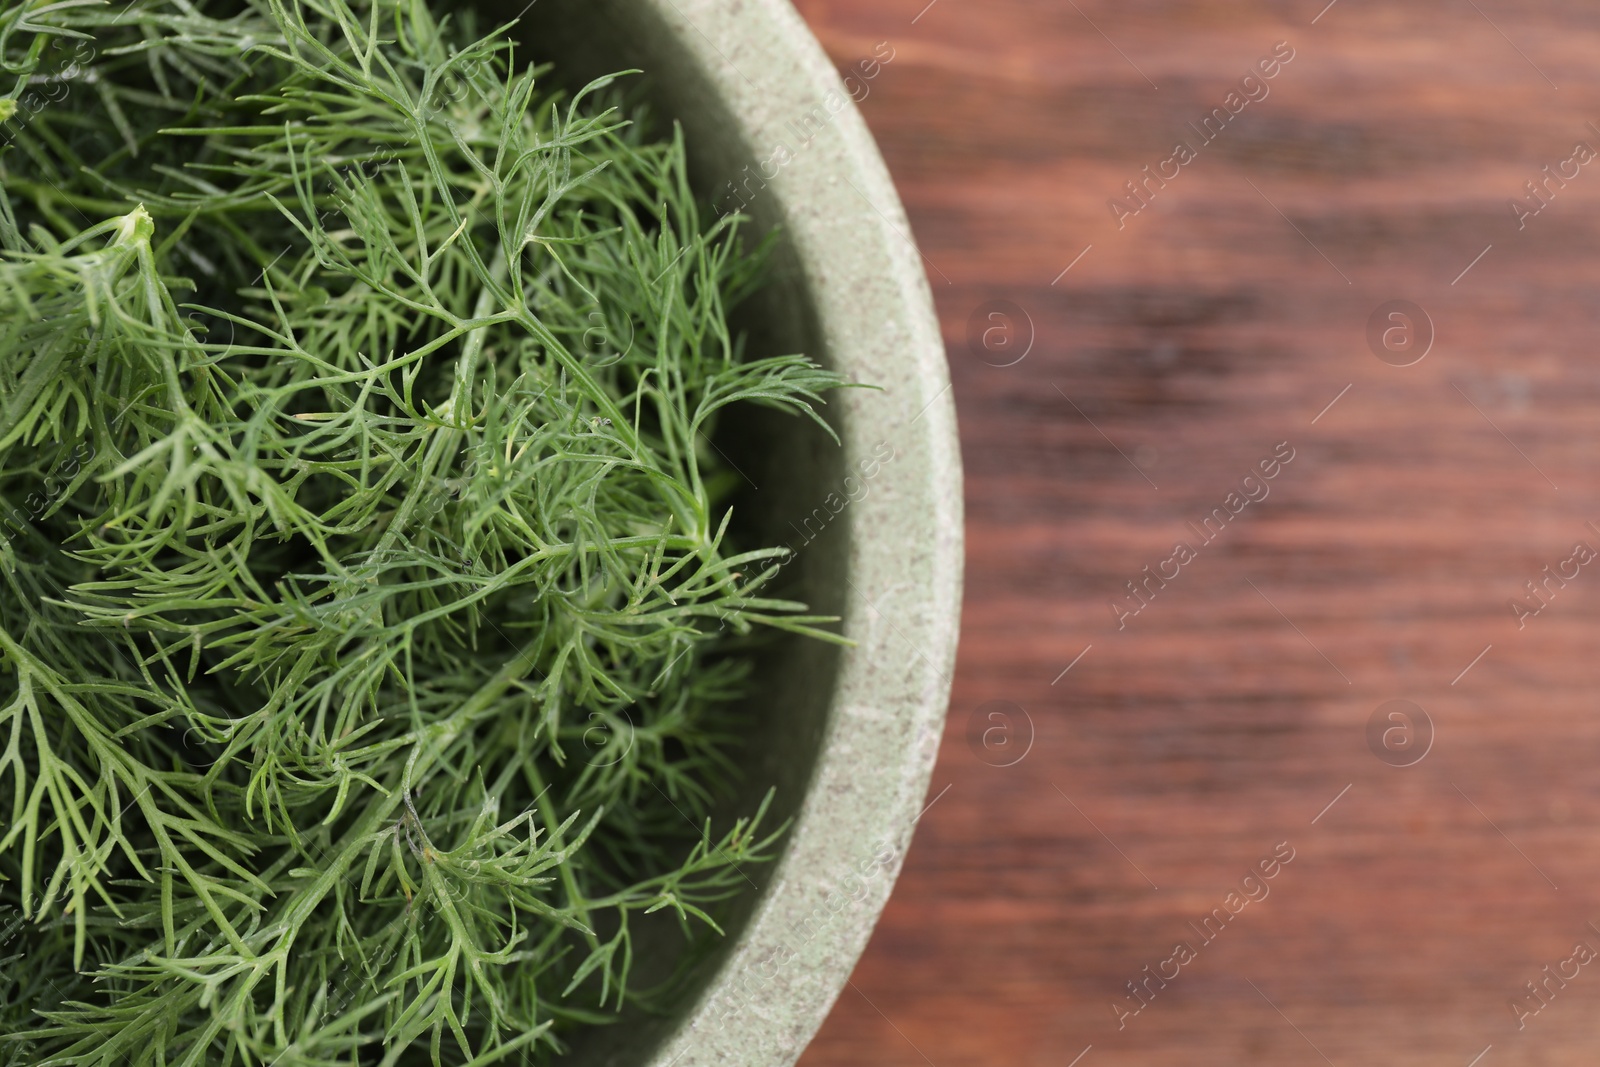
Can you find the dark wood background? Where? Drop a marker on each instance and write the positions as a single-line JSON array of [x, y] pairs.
[[1220, 321]]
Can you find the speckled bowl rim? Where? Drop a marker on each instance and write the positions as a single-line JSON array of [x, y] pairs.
[[866, 278]]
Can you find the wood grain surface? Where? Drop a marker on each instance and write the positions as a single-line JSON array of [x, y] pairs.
[[1192, 339]]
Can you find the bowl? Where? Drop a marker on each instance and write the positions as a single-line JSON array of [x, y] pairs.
[[847, 736]]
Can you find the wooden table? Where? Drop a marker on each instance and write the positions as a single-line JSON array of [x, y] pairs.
[[1230, 716]]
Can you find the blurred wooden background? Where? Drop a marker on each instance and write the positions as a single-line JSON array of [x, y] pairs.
[[1176, 353]]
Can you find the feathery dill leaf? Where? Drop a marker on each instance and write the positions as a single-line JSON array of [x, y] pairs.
[[356, 395]]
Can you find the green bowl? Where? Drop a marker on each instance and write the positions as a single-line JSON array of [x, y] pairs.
[[847, 736]]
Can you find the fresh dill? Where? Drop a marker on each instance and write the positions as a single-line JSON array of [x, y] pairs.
[[370, 626]]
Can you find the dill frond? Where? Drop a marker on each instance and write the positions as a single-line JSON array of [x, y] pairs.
[[369, 615]]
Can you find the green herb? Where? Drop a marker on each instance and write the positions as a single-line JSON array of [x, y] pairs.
[[370, 622]]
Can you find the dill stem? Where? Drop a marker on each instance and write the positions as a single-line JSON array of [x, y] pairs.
[[553, 826], [47, 193], [441, 449]]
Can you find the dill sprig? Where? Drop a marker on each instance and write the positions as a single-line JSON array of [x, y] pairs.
[[370, 621]]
